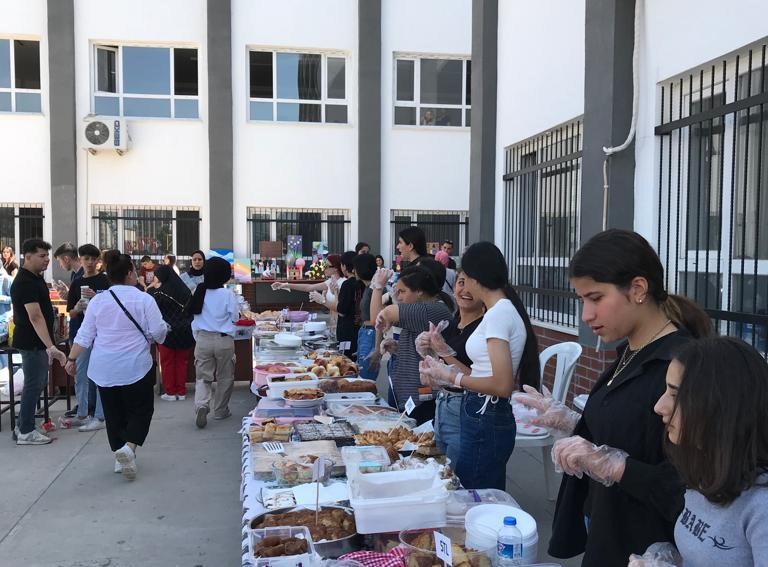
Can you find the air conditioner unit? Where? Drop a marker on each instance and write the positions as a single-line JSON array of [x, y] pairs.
[[106, 134]]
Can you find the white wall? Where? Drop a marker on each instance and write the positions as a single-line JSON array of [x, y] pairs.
[[25, 173], [540, 75], [678, 36], [292, 165], [168, 162], [421, 168]]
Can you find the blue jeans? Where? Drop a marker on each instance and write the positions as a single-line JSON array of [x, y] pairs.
[[365, 344], [448, 425], [34, 363], [487, 441], [83, 386]]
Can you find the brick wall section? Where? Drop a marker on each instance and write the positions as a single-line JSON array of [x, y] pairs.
[[591, 365]]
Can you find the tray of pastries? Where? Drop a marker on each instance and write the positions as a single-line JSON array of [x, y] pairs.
[[341, 432], [269, 430]]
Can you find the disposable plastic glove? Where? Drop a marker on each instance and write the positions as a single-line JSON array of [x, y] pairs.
[[431, 343], [552, 414], [576, 456], [82, 305], [55, 354], [373, 360], [388, 345], [380, 278], [280, 285], [532, 398], [434, 373], [317, 297], [658, 555]]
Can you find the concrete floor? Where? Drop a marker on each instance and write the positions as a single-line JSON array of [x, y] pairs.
[[62, 506]]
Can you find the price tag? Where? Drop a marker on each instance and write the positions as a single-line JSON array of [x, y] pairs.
[[443, 548], [318, 469], [410, 405]]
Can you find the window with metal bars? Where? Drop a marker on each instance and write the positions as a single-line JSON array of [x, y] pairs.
[[329, 226], [712, 205], [438, 226], [151, 231], [542, 183], [18, 222]]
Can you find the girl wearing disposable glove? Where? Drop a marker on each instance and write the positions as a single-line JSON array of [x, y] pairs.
[[715, 409], [502, 347], [420, 302], [452, 350], [619, 493]]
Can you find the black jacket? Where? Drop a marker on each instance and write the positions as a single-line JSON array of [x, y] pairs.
[[173, 312], [641, 509]]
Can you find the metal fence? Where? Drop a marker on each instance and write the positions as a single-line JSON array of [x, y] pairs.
[[438, 226], [18, 222], [542, 180], [332, 227], [147, 230], [713, 191]]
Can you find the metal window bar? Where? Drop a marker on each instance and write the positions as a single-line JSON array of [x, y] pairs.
[[139, 230], [542, 183], [712, 178], [18, 222], [330, 226], [437, 225]]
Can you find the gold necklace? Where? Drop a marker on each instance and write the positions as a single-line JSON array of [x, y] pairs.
[[624, 361]]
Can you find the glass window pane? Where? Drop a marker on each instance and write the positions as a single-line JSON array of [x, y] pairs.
[[147, 107], [5, 63], [107, 229], [468, 117], [288, 112], [30, 223], [260, 230], [27, 102], [106, 70], [5, 102], [336, 78], [261, 75], [405, 115], [261, 111], [106, 106], [336, 226], [185, 71], [26, 59], [441, 81], [185, 108], [187, 232], [405, 79], [440, 116], [298, 76], [146, 70], [147, 231], [7, 231], [468, 97], [336, 114]]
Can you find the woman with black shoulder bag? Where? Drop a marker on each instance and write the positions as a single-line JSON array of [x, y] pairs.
[[172, 296], [121, 324]]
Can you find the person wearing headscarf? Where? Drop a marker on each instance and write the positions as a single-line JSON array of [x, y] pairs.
[[194, 275], [172, 296], [215, 311]]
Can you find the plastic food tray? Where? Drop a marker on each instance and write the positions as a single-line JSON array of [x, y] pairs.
[[303, 560]]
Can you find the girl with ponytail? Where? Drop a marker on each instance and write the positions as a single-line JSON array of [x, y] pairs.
[[503, 350], [619, 493]]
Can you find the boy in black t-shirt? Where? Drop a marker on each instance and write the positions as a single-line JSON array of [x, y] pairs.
[[33, 335], [90, 414]]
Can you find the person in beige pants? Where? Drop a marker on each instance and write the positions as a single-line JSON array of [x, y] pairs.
[[215, 312]]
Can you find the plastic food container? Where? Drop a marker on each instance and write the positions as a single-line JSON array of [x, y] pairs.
[[279, 383], [393, 484], [485, 519], [419, 546], [287, 340], [290, 473], [297, 316], [365, 459], [302, 560], [461, 501]]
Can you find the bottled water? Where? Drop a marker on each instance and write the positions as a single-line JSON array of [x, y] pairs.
[[509, 544]]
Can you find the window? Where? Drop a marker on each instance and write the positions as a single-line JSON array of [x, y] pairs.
[[541, 227], [432, 91], [19, 221], [331, 226], [712, 173], [438, 226], [147, 82], [297, 87], [19, 75], [154, 231]]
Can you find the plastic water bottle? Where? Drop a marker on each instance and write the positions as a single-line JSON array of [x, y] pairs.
[[509, 544]]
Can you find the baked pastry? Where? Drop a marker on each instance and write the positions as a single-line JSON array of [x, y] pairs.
[[348, 386], [332, 523]]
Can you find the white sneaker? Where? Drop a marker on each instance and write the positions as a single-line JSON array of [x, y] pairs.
[[34, 437], [181, 398], [118, 467], [93, 424], [127, 458], [168, 398]]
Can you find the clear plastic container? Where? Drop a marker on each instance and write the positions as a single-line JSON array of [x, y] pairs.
[[461, 501], [419, 547], [365, 458], [290, 473], [304, 559]]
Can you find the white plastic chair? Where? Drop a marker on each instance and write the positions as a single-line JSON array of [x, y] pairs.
[[567, 356]]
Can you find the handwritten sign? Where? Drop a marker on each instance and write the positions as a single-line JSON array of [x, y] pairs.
[[318, 470], [410, 405], [443, 548]]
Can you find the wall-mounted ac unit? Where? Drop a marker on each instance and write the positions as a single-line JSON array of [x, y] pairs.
[[106, 134]]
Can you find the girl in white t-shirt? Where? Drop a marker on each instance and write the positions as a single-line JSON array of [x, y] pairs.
[[502, 348]]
